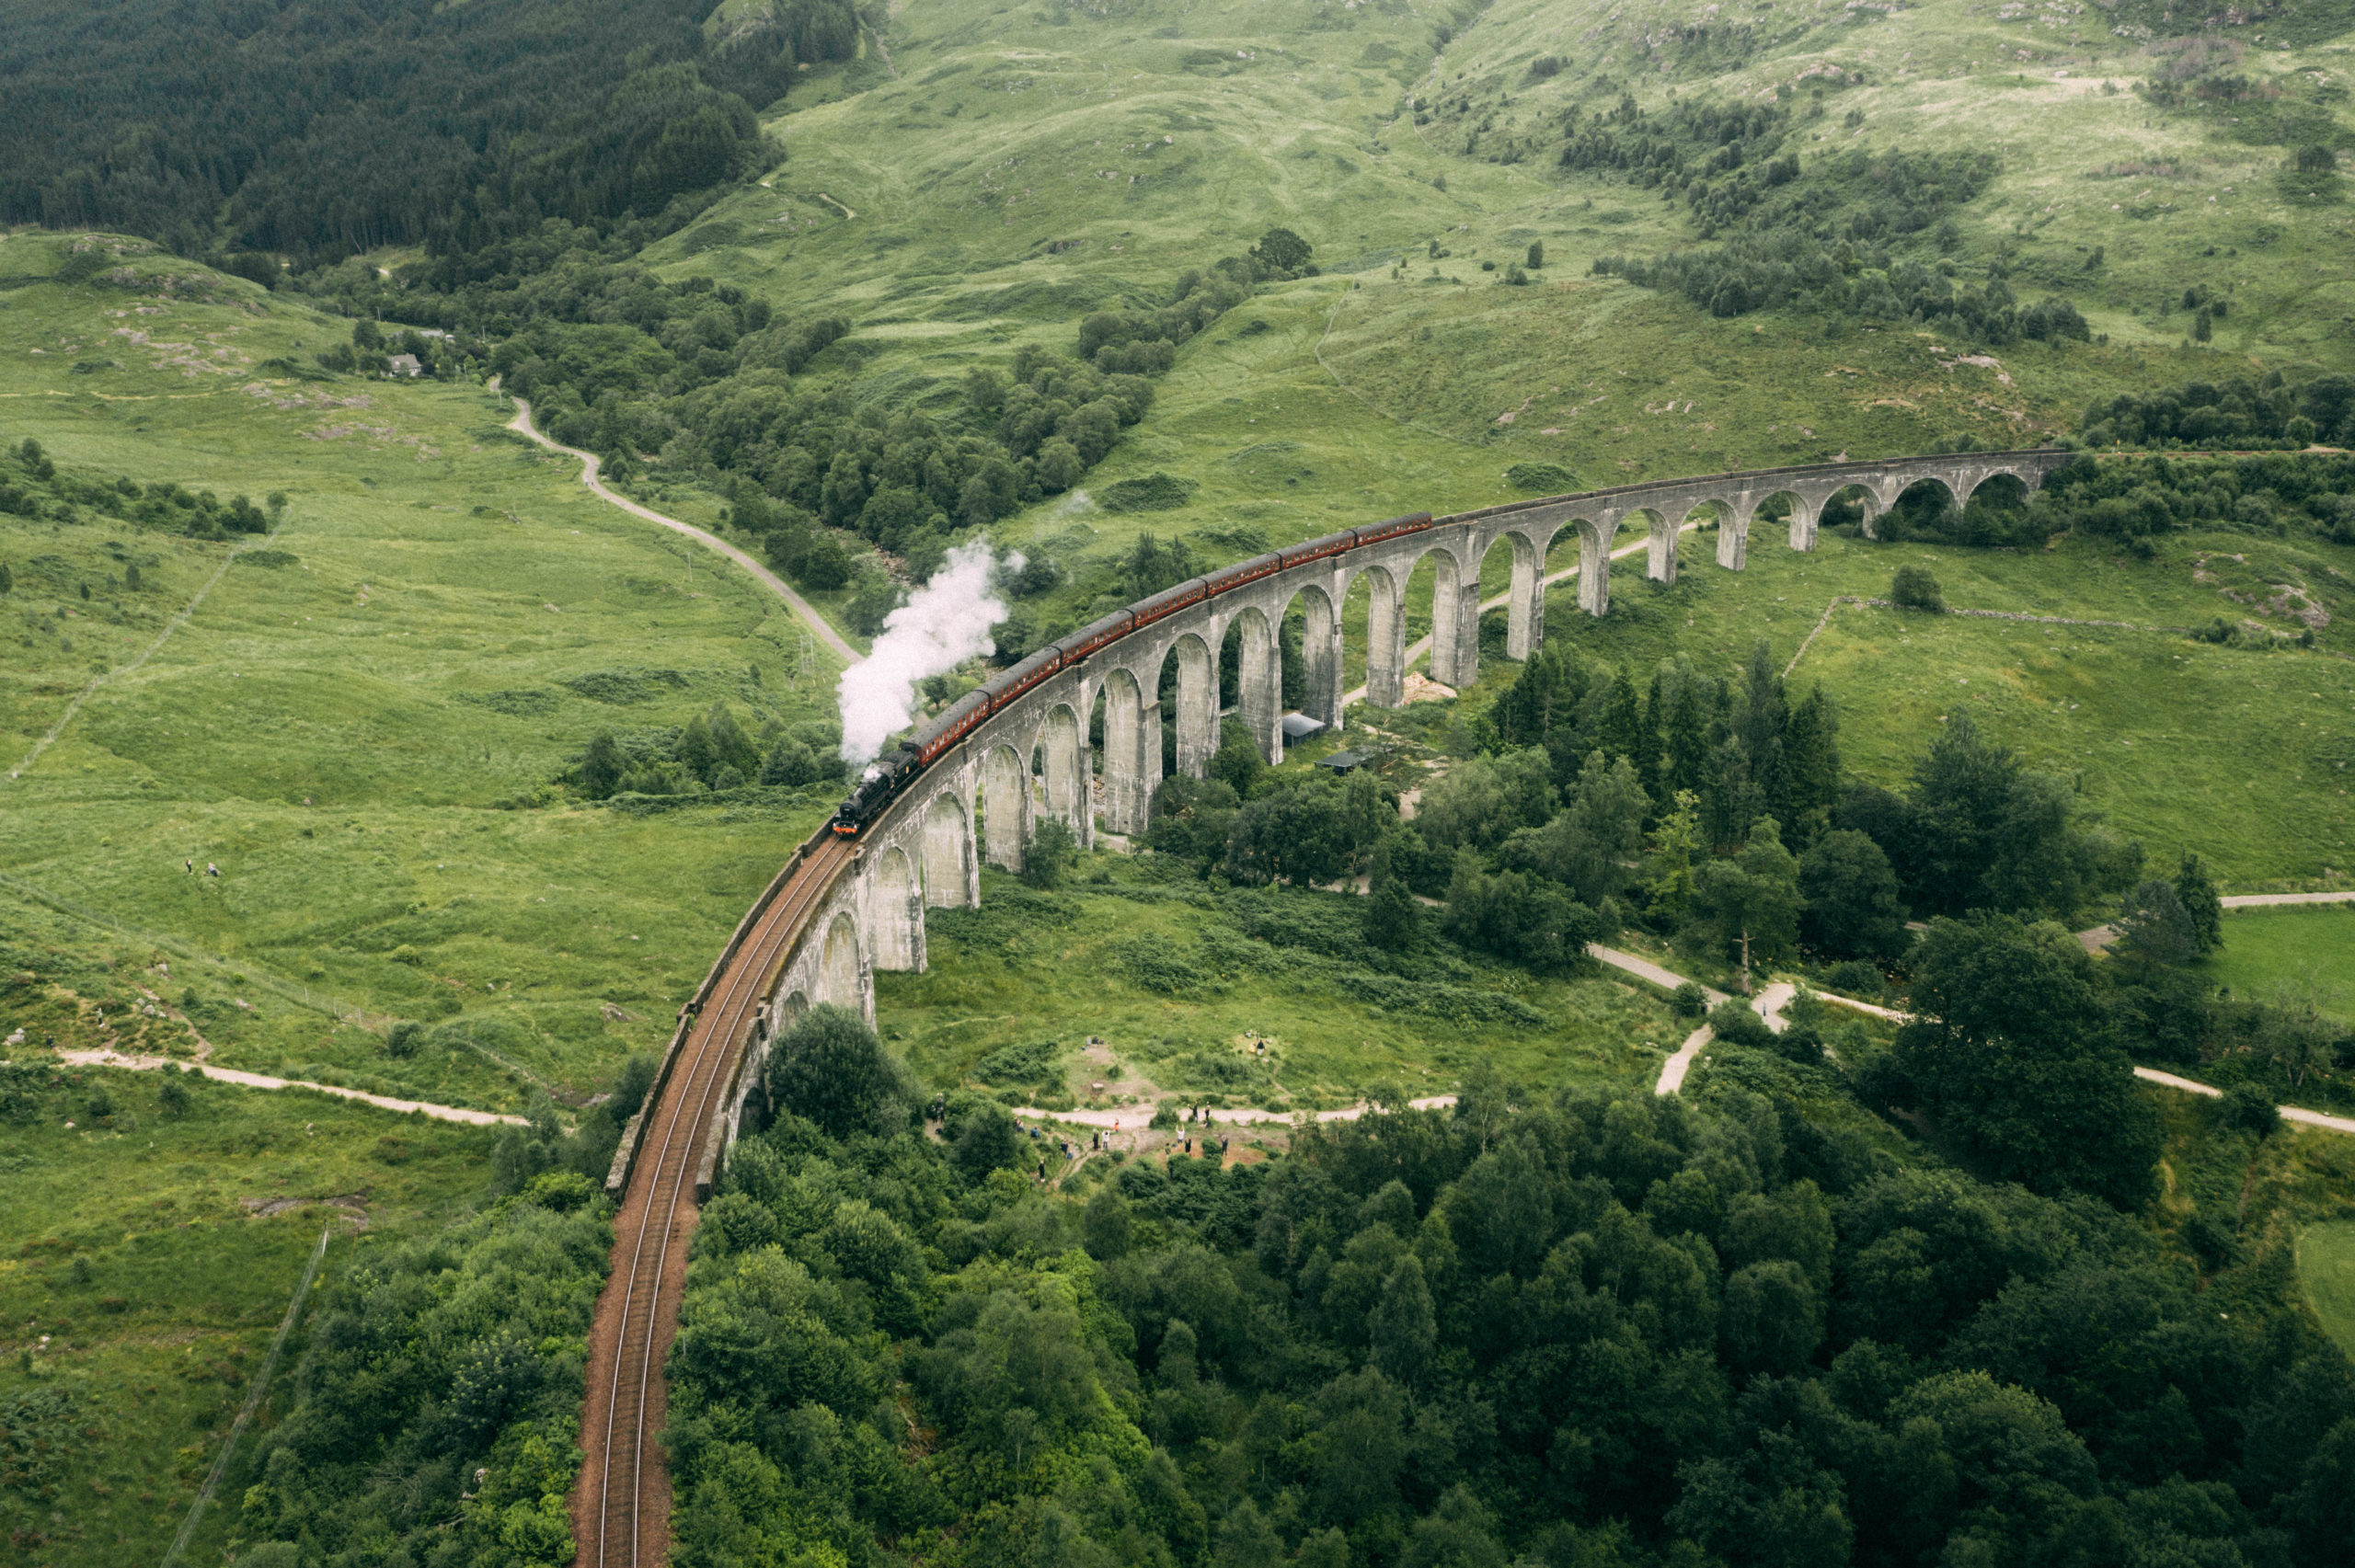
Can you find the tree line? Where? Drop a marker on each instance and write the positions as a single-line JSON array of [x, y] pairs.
[[32, 486], [1854, 235], [2139, 502], [1552, 1330], [315, 131]]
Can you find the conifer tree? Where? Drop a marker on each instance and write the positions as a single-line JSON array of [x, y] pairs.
[[1688, 741], [2197, 892], [1651, 740], [1810, 767], [1621, 720]]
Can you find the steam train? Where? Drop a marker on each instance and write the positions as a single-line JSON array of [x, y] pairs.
[[891, 775]]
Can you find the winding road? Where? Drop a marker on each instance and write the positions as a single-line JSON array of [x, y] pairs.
[[522, 423]]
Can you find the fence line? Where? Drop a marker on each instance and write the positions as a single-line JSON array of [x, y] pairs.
[[253, 1402]]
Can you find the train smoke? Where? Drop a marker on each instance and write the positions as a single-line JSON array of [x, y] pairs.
[[943, 624]]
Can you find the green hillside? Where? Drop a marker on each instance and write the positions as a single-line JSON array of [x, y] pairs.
[[1023, 167], [474, 751], [360, 722]]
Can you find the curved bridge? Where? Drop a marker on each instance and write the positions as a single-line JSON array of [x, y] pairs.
[[843, 907]]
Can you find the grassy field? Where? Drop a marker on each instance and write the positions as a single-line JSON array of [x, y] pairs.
[[149, 1259], [1173, 981], [2243, 755], [2301, 952], [356, 728], [2326, 1266]]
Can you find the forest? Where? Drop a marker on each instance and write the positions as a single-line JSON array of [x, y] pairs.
[[322, 129], [1569, 1331], [1857, 236]]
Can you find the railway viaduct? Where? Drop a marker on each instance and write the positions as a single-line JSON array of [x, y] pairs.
[[983, 801], [841, 910]]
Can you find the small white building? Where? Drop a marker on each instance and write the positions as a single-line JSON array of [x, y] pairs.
[[404, 365]]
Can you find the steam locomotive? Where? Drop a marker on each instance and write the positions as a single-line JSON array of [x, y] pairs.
[[885, 780]]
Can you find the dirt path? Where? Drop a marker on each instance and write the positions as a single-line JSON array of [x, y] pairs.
[[826, 633], [263, 1080], [1136, 1117], [1770, 1002], [2101, 936]]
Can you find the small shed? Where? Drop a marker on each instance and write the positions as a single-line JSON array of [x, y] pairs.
[[1298, 727], [1345, 761], [404, 365]]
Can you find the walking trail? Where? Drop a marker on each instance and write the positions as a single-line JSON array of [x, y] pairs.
[[2102, 936], [522, 423], [263, 1080], [1768, 1004]]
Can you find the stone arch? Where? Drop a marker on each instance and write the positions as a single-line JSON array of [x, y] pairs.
[[1664, 530], [895, 915], [1859, 494], [1320, 651], [1595, 538], [839, 964], [1196, 692], [1455, 618], [1006, 806], [1981, 480], [1128, 776], [1258, 681], [1789, 506], [1065, 770], [1385, 637], [1525, 591], [787, 1014], [1899, 488], [947, 852]]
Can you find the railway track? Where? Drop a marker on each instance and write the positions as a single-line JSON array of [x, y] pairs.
[[621, 1502]]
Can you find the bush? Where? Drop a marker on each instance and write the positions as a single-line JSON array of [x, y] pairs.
[[1688, 1000], [1856, 976], [1051, 854], [1542, 479], [831, 1068], [2251, 1109], [1914, 589], [1154, 492], [1735, 1023]]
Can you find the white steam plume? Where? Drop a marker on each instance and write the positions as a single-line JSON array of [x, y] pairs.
[[943, 624]]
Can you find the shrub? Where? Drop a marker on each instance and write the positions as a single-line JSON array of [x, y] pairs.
[[829, 1068], [1855, 977], [1733, 1022], [1914, 589], [1154, 492], [2251, 1109], [1052, 852], [1688, 1000], [1542, 479]]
